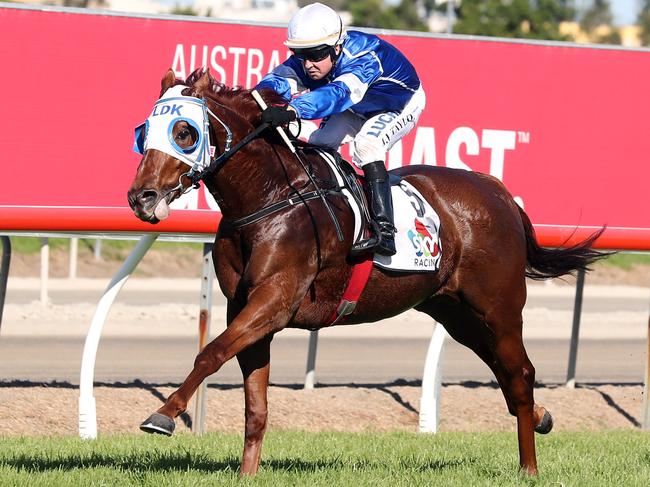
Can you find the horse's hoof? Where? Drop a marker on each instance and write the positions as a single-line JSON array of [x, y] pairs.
[[158, 423], [546, 424]]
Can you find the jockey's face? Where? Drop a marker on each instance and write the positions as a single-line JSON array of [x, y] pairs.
[[317, 70]]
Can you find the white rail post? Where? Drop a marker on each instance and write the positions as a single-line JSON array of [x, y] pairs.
[[98, 249], [205, 315], [431, 382], [45, 268], [575, 331], [87, 410], [74, 252], [310, 376]]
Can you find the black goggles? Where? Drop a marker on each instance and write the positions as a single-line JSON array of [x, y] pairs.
[[313, 54]]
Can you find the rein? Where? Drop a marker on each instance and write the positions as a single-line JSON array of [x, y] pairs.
[[196, 176], [281, 205], [216, 164]]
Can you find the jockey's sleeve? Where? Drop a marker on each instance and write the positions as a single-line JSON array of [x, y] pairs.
[[284, 80], [332, 98], [346, 90]]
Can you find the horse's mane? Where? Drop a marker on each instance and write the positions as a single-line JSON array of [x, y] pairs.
[[236, 98]]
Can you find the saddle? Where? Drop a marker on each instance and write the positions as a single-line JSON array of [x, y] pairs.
[[418, 228], [352, 185], [417, 236]]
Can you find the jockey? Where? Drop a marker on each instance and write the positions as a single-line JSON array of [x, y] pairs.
[[365, 91]]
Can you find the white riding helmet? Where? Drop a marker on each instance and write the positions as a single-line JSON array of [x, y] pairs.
[[314, 25]]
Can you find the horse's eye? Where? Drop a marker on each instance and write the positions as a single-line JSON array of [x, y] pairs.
[[183, 134]]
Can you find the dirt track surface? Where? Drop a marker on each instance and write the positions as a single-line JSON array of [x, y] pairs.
[[33, 409]]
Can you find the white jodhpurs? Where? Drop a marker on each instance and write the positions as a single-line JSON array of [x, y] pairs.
[[371, 137]]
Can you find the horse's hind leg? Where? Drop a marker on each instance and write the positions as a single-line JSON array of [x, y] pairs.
[[255, 365], [518, 382], [502, 349]]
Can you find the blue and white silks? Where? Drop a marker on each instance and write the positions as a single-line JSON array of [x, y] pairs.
[[370, 76]]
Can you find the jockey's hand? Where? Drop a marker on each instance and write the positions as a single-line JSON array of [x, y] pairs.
[[278, 116]]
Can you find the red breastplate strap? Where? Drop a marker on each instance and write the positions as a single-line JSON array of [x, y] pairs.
[[356, 285]]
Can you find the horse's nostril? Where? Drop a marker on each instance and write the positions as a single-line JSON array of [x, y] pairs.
[[147, 197], [130, 196]]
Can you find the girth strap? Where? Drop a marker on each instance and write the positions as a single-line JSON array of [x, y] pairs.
[[281, 205], [358, 280]]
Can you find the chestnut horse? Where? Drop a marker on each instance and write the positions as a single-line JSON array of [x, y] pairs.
[[289, 269]]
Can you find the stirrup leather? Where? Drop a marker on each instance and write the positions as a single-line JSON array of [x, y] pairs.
[[369, 244], [382, 241]]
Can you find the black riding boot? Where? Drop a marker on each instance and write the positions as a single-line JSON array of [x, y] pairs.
[[381, 207]]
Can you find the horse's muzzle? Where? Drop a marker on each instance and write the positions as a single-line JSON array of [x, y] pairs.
[[143, 202]]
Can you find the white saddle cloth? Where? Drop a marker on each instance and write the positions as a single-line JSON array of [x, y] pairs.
[[417, 238], [418, 233]]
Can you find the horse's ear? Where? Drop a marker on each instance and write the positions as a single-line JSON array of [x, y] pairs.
[[168, 81], [203, 84]]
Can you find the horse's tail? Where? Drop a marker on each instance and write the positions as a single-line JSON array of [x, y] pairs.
[[544, 263]]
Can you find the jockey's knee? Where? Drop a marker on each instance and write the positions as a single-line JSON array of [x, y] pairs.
[[367, 149], [325, 138], [337, 129]]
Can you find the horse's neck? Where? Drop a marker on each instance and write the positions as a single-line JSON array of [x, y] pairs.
[[261, 173], [232, 183], [258, 175]]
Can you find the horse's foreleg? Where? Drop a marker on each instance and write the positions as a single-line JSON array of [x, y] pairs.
[[255, 365], [265, 313]]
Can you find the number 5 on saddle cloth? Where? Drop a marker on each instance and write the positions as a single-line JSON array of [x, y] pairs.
[[417, 237]]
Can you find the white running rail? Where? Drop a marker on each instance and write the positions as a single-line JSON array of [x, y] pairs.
[[431, 382], [87, 409]]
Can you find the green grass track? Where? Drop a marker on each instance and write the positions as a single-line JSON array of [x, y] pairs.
[[619, 458]]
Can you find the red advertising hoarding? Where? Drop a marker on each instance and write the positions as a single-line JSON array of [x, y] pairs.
[[565, 127]]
